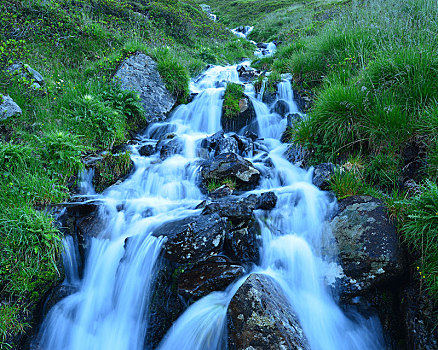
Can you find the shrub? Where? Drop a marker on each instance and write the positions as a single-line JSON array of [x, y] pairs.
[[384, 170]]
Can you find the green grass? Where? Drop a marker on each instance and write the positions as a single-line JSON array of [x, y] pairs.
[[77, 47], [233, 94], [420, 232]]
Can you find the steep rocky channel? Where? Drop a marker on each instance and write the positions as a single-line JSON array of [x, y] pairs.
[[214, 241]]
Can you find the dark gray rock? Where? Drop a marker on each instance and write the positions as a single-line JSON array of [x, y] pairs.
[[369, 247], [169, 146], [147, 150], [322, 174], [269, 97], [297, 155], [243, 244], [139, 73], [219, 143], [233, 207], [214, 274], [231, 165], [267, 201], [221, 192], [261, 318], [193, 239], [247, 73], [8, 108], [56, 295], [246, 116], [281, 107], [165, 303]]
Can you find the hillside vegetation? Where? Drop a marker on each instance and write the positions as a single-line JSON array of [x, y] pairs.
[[373, 75], [77, 45]]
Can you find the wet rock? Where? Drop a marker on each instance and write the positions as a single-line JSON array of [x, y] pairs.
[[297, 155], [269, 97], [170, 146], [261, 318], [267, 201], [221, 192], [139, 73], [165, 304], [247, 73], [233, 166], [193, 239], [147, 150], [322, 174], [214, 274], [281, 107], [234, 208], [245, 117], [56, 295], [243, 244], [245, 144], [8, 108], [219, 143], [369, 248]]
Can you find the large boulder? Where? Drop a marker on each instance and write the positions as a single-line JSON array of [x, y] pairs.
[[246, 116], [8, 108], [139, 73], [369, 247], [219, 143], [215, 274], [231, 166], [261, 318], [193, 239]]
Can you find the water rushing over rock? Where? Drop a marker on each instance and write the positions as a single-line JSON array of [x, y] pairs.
[[110, 308]]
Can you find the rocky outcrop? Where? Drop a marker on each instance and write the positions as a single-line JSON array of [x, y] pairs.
[[247, 73], [8, 108], [237, 209], [369, 248], [245, 117], [261, 318], [193, 239], [169, 146], [231, 166], [34, 78], [139, 73], [214, 274]]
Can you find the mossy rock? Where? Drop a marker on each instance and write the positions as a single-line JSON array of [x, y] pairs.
[[111, 169]]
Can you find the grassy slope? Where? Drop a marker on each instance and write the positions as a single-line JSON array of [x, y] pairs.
[[374, 70], [275, 19], [77, 45]]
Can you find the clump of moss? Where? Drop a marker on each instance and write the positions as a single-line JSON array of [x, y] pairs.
[[110, 169], [233, 94]]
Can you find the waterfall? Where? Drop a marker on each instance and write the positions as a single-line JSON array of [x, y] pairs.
[[110, 308]]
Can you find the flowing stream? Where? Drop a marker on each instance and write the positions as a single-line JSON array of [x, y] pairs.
[[110, 305]]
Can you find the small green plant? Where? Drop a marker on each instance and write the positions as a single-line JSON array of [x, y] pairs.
[[213, 185], [110, 169], [175, 76], [384, 171], [230, 183], [420, 232], [233, 95], [346, 183]]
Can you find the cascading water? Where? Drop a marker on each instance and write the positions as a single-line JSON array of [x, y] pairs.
[[110, 307]]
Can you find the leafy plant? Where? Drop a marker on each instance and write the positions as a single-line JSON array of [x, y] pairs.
[[233, 95]]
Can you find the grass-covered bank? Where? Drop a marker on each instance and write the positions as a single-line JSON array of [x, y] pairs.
[[374, 72], [77, 45]]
